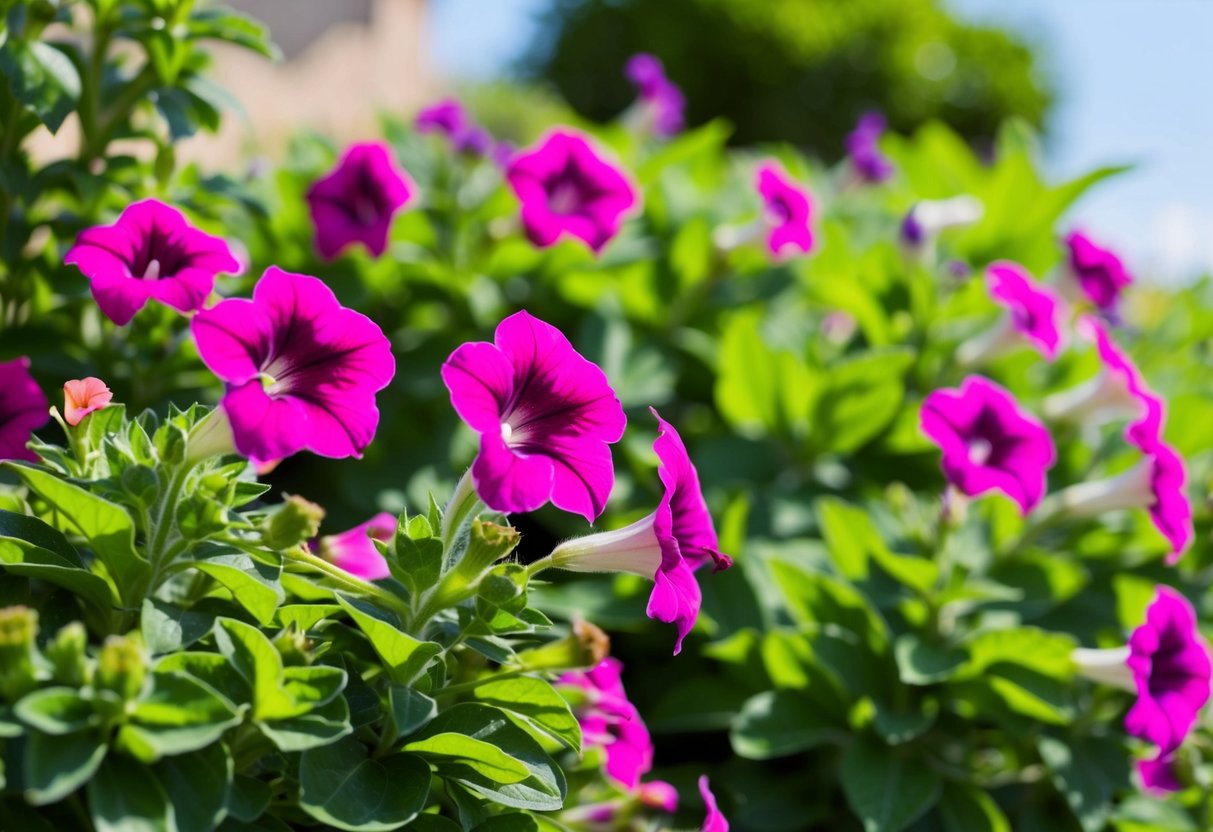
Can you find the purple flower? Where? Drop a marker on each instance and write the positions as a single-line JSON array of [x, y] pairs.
[[449, 118], [150, 253], [1170, 665], [546, 418], [715, 821], [661, 102], [23, 409], [354, 550], [608, 720], [787, 211], [301, 370], [1095, 271], [567, 188], [863, 148], [1032, 316], [356, 202], [667, 545], [928, 218], [989, 443]]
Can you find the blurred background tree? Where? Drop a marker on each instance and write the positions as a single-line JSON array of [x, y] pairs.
[[796, 70]]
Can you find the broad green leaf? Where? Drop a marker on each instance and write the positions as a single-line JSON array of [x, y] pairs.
[[887, 791], [816, 598], [260, 665], [31, 548], [339, 785], [923, 662], [253, 584], [460, 756], [854, 542], [411, 710], [1088, 771], [178, 715], [859, 399], [419, 552], [168, 628], [55, 766], [760, 390], [318, 727], [304, 616], [1032, 647], [197, 786], [247, 798], [55, 710], [316, 685], [42, 78], [405, 656], [779, 723], [512, 822], [538, 703], [117, 807], [970, 809]]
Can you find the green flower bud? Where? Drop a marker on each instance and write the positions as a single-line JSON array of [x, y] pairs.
[[18, 629], [121, 667], [294, 647], [296, 521], [67, 655], [487, 544], [585, 646]]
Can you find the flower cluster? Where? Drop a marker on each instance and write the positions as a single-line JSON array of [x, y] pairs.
[[660, 104], [449, 118]]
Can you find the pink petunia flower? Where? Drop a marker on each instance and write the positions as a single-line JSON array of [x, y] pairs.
[[1032, 313], [357, 200], [149, 253], [566, 187], [1094, 272], [661, 104], [863, 149], [354, 550], [715, 821], [989, 443], [449, 118], [302, 371], [82, 396], [667, 545], [610, 721], [546, 418], [787, 211], [23, 409]]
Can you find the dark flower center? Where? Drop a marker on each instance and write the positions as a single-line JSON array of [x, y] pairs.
[[989, 445], [569, 192], [1168, 671], [161, 254]]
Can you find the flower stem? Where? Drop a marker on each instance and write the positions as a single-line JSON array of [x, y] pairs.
[[538, 566], [349, 582], [463, 502]]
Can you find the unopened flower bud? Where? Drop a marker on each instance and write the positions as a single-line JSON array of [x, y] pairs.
[[586, 646], [67, 655], [121, 667], [295, 521], [18, 628], [294, 647]]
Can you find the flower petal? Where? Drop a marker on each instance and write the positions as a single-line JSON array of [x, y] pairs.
[[509, 481]]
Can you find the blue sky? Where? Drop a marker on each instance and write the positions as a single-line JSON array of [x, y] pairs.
[[1135, 84]]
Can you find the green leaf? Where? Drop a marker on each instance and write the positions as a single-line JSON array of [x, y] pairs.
[[411, 710], [544, 787], [247, 798], [232, 27], [31, 548], [760, 390], [1088, 771], [779, 723], [853, 542], [538, 703], [107, 526], [55, 766], [178, 715], [304, 616], [816, 598], [1032, 647], [55, 711], [419, 553], [970, 809], [320, 726], [460, 756], [406, 657], [42, 78], [168, 628], [197, 786], [888, 792], [117, 807], [340, 786], [859, 399], [512, 822], [923, 663], [252, 583], [317, 685], [260, 665]]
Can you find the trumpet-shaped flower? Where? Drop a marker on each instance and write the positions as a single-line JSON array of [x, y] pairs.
[[1032, 313], [661, 103], [449, 118], [546, 418], [149, 253], [667, 545], [715, 820], [82, 396], [357, 200], [302, 371], [863, 149], [566, 187], [787, 211], [354, 550], [23, 409], [988, 442], [927, 219], [1094, 272]]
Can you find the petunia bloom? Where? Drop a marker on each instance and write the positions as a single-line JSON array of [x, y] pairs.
[[149, 253], [1093, 272], [609, 720], [928, 218], [302, 371], [357, 200], [23, 409], [354, 550], [863, 149], [661, 103], [715, 821], [546, 418], [667, 545], [1032, 313], [787, 211], [566, 187], [449, 118], [82, 396], [989, 442]]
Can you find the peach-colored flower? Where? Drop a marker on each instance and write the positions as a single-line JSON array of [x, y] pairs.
[[81, 396]]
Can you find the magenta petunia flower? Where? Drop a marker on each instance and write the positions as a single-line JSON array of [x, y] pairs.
[[1170, 665], [787, 211], [81, 396], [1032, 316], [354, 550], [989, 443], [863, 149], [23, 409], [1093, 271], [358, 199], [715, 821], [546, 418], [149, 253], [667, 545], [566, 187], [661, 103], [449, 118], [302, 371], [610, 721]]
